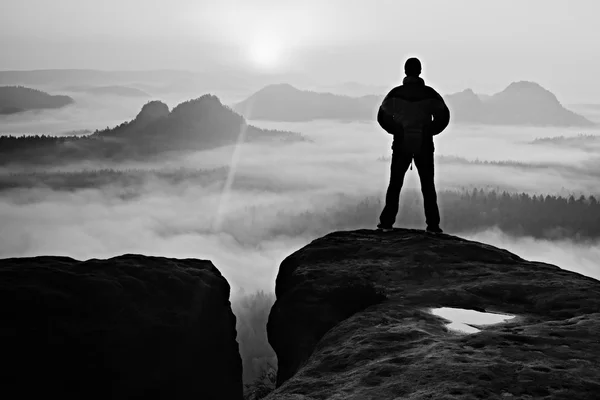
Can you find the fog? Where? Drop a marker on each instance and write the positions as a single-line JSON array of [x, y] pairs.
[[248, 206], [270, 201], [87, 113]]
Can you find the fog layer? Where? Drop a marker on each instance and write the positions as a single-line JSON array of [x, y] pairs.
[[270, 201]]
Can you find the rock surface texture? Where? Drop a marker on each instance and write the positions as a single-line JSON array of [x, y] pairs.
[[352, 321], [130, 327]]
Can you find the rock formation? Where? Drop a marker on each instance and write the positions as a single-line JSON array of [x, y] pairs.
[[200, 124], [152, 111], [130, 327], [353, 320]]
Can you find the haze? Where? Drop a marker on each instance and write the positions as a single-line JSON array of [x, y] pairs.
[[465, 43]]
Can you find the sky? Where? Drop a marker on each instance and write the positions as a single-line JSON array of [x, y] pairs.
[[483, 45]]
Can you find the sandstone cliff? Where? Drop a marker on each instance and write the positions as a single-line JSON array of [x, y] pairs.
[[352, 321], [130, 327]]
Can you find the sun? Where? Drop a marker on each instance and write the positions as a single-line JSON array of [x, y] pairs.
[[266, 52]]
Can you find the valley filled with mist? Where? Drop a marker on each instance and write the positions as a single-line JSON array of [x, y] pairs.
[[115, 173]]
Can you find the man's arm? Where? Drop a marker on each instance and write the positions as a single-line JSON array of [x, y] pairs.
[[441, 115], [386, 120]]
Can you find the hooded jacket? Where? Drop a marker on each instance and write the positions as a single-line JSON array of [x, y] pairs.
[[413, 89]]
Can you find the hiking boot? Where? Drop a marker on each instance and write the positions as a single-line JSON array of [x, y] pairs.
[[384, 228], [434, 229]]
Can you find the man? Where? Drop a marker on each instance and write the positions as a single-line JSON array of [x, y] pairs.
[[414, 113]]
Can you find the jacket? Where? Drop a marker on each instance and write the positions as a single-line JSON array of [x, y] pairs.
[[413, 89]]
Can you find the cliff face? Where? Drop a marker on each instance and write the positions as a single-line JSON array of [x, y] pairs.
[[352, 320], [130, 327]]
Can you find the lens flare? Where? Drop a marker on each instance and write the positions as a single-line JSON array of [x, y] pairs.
[[266, 51]]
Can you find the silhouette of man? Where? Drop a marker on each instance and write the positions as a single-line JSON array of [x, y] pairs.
[[414, 113]]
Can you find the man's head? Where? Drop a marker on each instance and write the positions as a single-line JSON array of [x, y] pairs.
[[412, 67]]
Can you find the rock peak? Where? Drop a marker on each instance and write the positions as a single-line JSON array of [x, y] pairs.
[[353, 318], [525, 85], [152, 111]]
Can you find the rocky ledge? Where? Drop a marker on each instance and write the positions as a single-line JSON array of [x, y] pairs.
[[130, 327], [353, 321]]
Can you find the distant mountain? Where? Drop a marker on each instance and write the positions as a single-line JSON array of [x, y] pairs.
[[87, 77], [355, 89], [283, 102], [115, 90], [200, 124], [521, 103], [15, 99], [186, 83], [465, 106]]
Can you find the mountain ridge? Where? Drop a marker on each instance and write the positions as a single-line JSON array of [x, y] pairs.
[[18, 99], [520, 103], [284, 102], [199, 124]]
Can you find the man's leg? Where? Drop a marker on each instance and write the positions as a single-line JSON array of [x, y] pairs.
[[425, 166], [400, 163]]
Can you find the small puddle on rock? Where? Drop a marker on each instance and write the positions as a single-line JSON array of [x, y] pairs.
[[461, 318]]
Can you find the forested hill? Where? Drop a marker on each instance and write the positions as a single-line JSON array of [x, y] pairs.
[[200, 124], [15, 99]]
